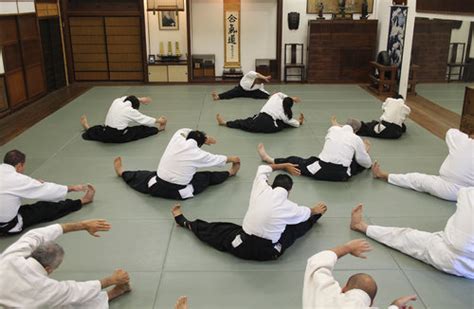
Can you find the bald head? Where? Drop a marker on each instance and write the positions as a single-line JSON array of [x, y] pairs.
[[362, 282]]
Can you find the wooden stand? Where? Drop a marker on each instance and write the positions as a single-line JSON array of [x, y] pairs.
[[383, 78], [467, 118]]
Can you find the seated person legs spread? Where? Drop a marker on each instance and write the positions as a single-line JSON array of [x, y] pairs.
[[381, 129], [236, 92], [110, 135], [261, 122]]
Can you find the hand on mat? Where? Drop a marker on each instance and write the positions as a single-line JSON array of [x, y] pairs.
[[145, 100], [357, 247], [301, 118], [120, 276], [334, 121], [296, 99], [293, 169], [96, 225], [233, 159], [319, 209], [210, 140], [367, 144], [403, 301]]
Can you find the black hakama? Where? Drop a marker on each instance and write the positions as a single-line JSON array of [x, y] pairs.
[[239, 92], [375, 129], [260, 123], [107, 134]]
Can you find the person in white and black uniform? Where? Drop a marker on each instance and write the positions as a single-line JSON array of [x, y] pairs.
[[456, 172], [52, 205], [177, 176], [344, 155], [26, 265], [274, 116], [391, 123], [124, 123], [271, 225], [250, 86]]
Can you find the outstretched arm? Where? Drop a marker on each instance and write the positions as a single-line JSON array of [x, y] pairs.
[[356, 247], [288, 167], [144, 100], [91, 226], [265, 78]]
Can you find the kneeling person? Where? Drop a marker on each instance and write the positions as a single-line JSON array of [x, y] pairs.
[[124, 123], [344, 155], [391, 123], [177, 176], [271, 225], [26, 265]]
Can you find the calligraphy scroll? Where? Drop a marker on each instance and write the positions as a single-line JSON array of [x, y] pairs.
[[232, 33]]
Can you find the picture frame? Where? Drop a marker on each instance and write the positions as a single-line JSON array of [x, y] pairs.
[[168, 20], [332, 6]]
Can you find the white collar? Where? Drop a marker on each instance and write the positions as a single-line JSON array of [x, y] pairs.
[[359, 295], [34, 265]]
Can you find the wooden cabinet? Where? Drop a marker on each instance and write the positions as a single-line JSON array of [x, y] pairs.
[[22, 58], [3, 95], [168, 72], [106, 48], [340, 50], [467, 118]]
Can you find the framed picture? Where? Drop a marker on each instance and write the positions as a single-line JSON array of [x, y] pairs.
[[168, 20], [332, 6]]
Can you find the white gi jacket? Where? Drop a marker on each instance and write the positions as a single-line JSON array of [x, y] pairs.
[[25, 283], [15, 186], [247, 82], [182, 158], [342, 145], [274, 108], [395, 111], [269, 210], [122, 115]]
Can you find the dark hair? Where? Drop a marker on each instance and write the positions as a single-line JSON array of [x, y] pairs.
[[14, 157], [287, 105], [283, 181], [134, 100], [398, 96], [198, 136]]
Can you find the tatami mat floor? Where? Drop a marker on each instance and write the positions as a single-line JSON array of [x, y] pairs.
[[166, 261]]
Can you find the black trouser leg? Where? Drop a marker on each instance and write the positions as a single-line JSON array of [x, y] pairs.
[[356, 168], [137, 132], [47, 211], [382, 129], [247, 124], [256, 94], [202, 180], [235, 92], [302, 163], [219, 235], [138, 180], [293, 232], [95, 133]]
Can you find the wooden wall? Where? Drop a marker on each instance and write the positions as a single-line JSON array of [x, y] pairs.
[[467, 119], [431, 48], [463, 7], [340, 50]]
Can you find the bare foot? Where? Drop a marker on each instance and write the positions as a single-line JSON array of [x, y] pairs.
[[89, 196], [118, 166], [119, 290], [181, 303], [84, 122], [319, 209], [215, 96], [301, 119], [264, 155], [378, 173], [357, 222], [220, 120], [176, 210], [162, 123], [234, 169]]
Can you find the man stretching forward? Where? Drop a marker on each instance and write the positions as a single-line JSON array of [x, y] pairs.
[[271, 225]]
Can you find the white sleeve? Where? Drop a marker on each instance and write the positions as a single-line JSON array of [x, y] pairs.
[[140, 118], [454, 137], [24, 246], [296, 214], [292, 122], [207, 159], [393, 307], [251, 74], [33, 189], [70, 292], [319, 281], [260, 183], [361, 155]]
